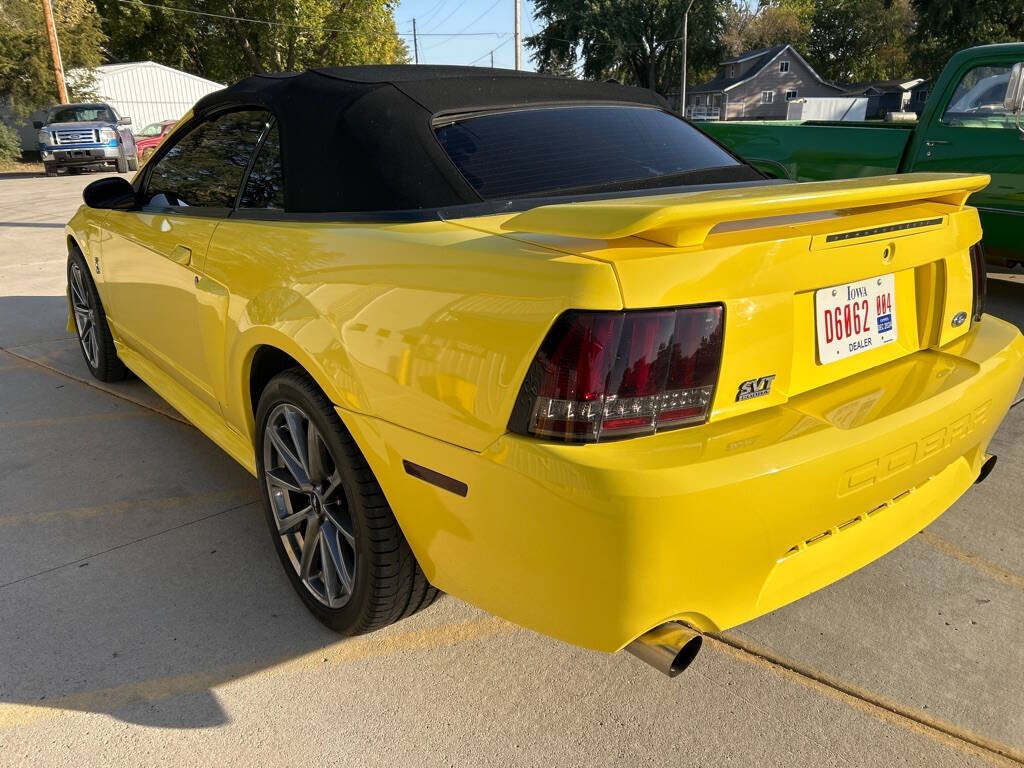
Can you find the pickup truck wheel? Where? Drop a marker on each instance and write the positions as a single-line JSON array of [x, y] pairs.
[[50, 169], [331, 525], [133, 163], [122, 162], [91, 322]]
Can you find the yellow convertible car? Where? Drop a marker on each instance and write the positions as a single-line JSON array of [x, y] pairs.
[[543, 345]]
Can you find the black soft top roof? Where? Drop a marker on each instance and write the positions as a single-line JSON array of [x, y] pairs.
[[361, 138]]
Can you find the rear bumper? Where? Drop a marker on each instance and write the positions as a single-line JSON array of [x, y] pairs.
[[714, 525]]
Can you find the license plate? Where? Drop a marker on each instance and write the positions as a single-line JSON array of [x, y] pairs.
[[855, 317]]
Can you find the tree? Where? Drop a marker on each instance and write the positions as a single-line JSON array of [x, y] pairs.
[[27, 81], [298, 34], [947, 26], [773, 22], [853, 40], [635, 41]]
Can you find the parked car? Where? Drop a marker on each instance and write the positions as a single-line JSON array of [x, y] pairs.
[[964, 127], [543, 345], [149, 138], [86, 136]]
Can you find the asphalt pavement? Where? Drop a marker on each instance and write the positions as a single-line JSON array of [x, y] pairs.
[[145, 619]]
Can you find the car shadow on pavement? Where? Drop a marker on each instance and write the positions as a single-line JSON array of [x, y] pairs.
[[136, 570]]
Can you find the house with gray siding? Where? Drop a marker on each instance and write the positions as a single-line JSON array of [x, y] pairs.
[[756, 86]]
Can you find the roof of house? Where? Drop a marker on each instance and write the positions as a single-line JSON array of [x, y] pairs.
[[375, 147], [763, 56], [884, 86]]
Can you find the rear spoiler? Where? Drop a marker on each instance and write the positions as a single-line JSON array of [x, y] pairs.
[[687, 218]]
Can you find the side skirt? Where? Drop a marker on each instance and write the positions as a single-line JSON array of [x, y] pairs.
[[203, 418]]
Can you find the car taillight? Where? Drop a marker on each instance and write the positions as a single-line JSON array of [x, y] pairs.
[[980, 276], [606, 375]]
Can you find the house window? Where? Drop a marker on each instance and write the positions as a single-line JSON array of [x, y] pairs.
[[922, 95], [790, 95], [731, 70], [767, 97], [700, 101], [783, 66]]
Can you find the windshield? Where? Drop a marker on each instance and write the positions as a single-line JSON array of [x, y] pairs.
[[82, 113], [153, 129], [546, 150]]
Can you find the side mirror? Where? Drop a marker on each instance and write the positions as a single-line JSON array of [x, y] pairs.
[[113, 193], [37, 124], [124, 121], [1013, 102]]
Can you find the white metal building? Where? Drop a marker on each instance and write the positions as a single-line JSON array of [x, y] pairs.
[[148, 92]]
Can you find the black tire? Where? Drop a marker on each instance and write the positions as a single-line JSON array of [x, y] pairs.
[[133, 163], [387, 583], [122, 162], [50, 169], [106, 366]]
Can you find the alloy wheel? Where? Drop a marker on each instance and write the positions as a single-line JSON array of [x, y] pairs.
[[310, 509], [85, 316]]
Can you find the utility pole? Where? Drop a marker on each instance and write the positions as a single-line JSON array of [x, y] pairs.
[[492, 59], [682, 78], [415, 45], [519, 52], [58, 65]]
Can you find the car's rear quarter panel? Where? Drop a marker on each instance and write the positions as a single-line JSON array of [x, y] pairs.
[[427, 325]]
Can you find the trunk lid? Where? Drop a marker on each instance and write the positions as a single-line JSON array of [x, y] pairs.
[[766, 252]]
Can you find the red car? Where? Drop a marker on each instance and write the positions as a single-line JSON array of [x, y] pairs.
[[149, 138]]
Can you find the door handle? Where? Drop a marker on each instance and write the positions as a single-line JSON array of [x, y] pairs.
[[935, 142], [181, 255]]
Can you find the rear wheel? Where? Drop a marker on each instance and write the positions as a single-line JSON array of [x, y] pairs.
[[94, 337], [331, 525]]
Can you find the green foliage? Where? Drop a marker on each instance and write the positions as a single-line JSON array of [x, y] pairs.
[[303, 33], [774, 22], [854, 40], [634, 41], [947, 26], [27, 81], [10, 145]]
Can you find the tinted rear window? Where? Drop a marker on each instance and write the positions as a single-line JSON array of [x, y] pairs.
[[545, 150]]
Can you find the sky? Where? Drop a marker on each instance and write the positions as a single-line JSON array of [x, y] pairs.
[[481, 26]]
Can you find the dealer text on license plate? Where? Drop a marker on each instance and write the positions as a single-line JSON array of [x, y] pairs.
[[855, 317]]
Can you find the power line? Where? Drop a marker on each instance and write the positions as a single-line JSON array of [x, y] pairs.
[[247, 20], [474, 21], [502, 45], [454, 10]]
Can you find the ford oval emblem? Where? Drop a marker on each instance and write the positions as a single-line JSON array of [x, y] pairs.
[[959, 319]]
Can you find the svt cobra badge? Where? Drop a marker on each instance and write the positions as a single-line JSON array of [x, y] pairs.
[[752, 388]]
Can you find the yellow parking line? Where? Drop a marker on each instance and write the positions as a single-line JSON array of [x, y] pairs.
[[975, 561], [126, 505], [85, 418], [109, 700]]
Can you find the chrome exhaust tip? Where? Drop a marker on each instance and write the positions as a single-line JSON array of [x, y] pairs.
[[669, 648], [986, 467]]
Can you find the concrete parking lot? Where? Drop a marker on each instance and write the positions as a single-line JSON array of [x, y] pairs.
[[145, 619]]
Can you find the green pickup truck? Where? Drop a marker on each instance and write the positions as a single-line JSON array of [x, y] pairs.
[[970, 123]]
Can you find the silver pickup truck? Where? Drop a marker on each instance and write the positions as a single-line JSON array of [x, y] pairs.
[[86, 135]]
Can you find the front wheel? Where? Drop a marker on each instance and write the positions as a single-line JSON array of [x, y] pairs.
[[331, 525], [133, 163], [50, 169], [122, 162], [91, 323]]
